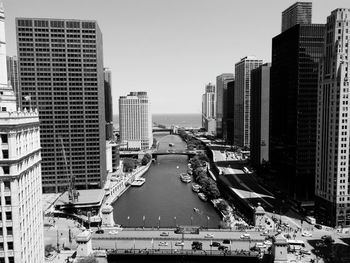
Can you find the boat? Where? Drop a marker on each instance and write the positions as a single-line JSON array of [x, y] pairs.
[[195, 187], [171, 144], [138, 182], [185, 178], [196, 210], [202, 196]]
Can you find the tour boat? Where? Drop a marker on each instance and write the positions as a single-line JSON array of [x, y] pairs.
[[195, 187], [138, 182], [185, 178], [196, 210], [202, 196], [171, 144]]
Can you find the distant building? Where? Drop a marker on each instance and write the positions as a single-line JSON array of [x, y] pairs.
[[13, 75], [259, 120], [108, 103], [62, 76], [332, 200], [293, 108], [221, 89], [21, 220], [242, 99], [227, 121], [209, 109], [298, 13], [135, 121]]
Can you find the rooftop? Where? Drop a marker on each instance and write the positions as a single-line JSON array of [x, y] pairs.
[[87, 198]]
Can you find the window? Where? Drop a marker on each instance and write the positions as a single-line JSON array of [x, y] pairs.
[[9, 231], [4, 138], [8, 216], [1, 234], [7, 185], [10, 245], [11, 260], [6, 169], [2, 246], [7, 200], [5, 154]]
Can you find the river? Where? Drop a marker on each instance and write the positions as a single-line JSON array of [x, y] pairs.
[[164, 200]]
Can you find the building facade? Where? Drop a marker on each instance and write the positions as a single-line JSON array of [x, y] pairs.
[[298, 13], [227, 121], [13, 75], [332, 192], [108, 103], [242, 99], [61, 74], [221, 90], [209, 109], [293, 108], [135, 121], [260, 114], [21, 217]]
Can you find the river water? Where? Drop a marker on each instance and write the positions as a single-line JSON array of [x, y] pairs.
[[163, 196]]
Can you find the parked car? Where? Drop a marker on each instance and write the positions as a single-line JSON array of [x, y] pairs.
[[226, 241], [265, 233], [223, 248], [163, 243], [164, 234], [100, 231], [267, 242], [113, 232], [245, 236], [260, 245], [209, 236], [318, 226], [306, 234], [215, 244], [179, 243]]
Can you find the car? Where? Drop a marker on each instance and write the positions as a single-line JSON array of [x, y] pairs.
[[196, 245], [260, 245], [164, 234], [215, 244], [306, 234], [265, 233], [318, 226], [267, 242], [226, 241], [222, 247], [209, 236], [179, 243], [100, 231], [304, 251], [245, 236], [113, 232], [163, 243]]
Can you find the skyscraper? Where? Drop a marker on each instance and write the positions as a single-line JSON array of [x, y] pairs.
[[298, 13], [21, 219], [209, 109], [108, 103], [242, 99], [13, 75], [135, 121], [259, 120], [61, 74], [221, 89], [332, 200], [293, 108], [227, 120]]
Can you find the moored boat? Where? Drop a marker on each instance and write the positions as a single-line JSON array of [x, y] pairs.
[[138, 182], [195, 187], [185, 178], [202, 196]]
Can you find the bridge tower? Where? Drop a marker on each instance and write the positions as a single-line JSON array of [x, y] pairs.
[[107, 216], [84, 248]]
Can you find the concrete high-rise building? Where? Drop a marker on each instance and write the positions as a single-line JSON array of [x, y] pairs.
[[135, 121], [332, 200], [242, 99], [21, 217], [227, 120], [293, 109], [61, 74], [260, 113], [108, 103], [298, 13], [209, 109], [221, 89], [13, 75]]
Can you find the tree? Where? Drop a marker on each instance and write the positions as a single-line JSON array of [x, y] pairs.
[[146, 159], [129, 164]]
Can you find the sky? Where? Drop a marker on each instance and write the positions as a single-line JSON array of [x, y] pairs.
[[171, 48]]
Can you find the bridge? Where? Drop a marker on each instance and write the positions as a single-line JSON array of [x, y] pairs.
[[189, 154], [171, 131]]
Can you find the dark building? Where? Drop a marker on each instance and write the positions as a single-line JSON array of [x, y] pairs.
[[298, 13], [293, 108], [227, 121], [61, 74], [259, 109], [108, 103]]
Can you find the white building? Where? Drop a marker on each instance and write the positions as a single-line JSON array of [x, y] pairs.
[[21, 217], [135, 121], [332, 201], [209, 109]]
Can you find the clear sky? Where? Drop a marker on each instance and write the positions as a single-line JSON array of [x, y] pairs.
[[171, 48]]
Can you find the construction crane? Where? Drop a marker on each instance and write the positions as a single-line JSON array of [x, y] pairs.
[[73, 194]]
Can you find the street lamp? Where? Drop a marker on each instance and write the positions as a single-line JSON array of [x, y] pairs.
[[208, 218], [128, 221], [143, 219], [158, 222], [175, 220], [191, 220]]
